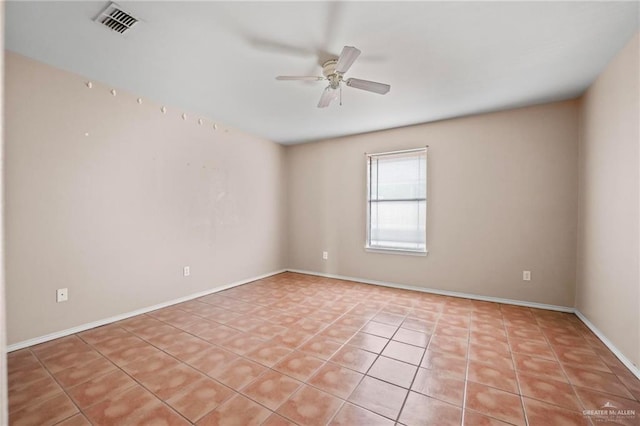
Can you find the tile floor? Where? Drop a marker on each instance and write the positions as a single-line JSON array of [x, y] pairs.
[[297, 349]]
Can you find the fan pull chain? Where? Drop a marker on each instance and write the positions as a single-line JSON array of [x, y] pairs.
[[341, 95]]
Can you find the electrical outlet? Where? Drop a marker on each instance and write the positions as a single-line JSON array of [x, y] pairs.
[[62, 295], [325, 255], [526, 275], [186, 271]]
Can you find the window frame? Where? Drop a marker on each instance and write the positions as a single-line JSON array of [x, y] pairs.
[[391, 250]]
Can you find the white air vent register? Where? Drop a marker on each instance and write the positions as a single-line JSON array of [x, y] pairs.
[[116, 19]]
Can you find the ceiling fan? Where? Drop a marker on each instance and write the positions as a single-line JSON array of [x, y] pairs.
[[333, 71]]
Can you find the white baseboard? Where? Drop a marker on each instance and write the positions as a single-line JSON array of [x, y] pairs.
[[635, 370], [37, 340], [105, 321], [626, 361], [441, 292]]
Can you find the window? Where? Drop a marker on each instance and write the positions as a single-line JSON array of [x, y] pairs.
[[397, 201]]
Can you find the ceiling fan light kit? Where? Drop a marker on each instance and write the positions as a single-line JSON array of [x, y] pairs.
[[333, 72]]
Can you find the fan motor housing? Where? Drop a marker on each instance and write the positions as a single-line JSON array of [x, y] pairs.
[[329, 68], [329, 71]]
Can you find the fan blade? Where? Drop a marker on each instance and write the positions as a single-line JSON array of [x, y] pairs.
[[301, 78], [347, 58], [328, 95], [369, 86]]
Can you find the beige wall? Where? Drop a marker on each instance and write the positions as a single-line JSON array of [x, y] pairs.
[[502, 198], [4, 416], [608, 290], [114, 216]]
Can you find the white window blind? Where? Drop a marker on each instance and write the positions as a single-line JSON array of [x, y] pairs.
[[397, 200]]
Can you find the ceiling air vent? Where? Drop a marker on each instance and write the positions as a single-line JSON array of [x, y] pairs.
[[116, 19]]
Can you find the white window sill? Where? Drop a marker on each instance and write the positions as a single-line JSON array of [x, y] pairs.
[[395, 251]]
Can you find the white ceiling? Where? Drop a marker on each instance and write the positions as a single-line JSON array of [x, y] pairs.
[[442, 59]]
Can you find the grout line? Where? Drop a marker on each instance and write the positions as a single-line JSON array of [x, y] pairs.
[[397, 420], [466, 373], [503, 325], [557, 359], [513, 360], [344, 402], [365, 374], [58, 383], [131, 376], [342, 345], [235, 392], [305, 382]]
